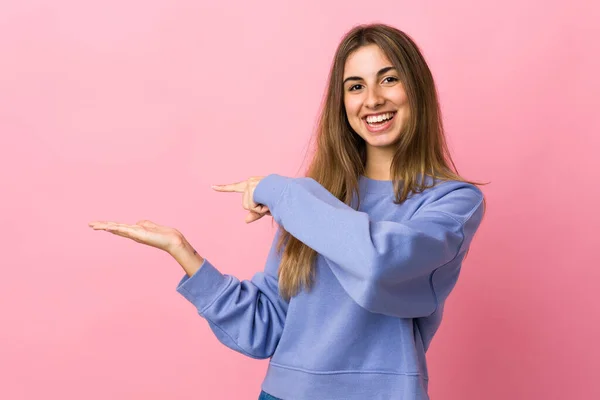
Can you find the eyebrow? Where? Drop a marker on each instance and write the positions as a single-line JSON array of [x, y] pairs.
[[358, 78]]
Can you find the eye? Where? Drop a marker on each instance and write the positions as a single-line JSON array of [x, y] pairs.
[[390, 79], [354, 88]]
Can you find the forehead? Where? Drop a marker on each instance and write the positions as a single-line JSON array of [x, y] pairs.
[[366, 61]]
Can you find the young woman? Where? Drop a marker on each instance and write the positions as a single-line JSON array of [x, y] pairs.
[[370, 242]]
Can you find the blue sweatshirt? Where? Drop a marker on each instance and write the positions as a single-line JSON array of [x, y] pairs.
[[382, 275]]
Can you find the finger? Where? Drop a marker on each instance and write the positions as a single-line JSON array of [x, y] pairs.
[[120, 228], [133, 232], [264, 210], [253, 216], [101, 224], [249, 198], [246, 204], [112, 227], [146, 223], [238, 187], [96, 223], [259, 209]]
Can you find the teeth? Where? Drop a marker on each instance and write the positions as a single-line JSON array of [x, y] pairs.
[[379, 118]]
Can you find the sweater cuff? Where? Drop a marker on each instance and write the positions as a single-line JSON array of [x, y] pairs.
[[204, 286], [269, 190]]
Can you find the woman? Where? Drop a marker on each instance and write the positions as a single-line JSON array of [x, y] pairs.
[[370, 242]]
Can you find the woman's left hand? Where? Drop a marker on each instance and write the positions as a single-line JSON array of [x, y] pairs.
[[256, 211]]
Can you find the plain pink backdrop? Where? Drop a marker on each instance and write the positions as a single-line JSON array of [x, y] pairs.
[[130, 109]]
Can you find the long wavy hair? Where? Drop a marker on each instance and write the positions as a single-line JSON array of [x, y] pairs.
[[340, 154]]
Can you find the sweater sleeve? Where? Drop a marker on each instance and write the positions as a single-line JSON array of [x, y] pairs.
[[403, 269], [247, 316]]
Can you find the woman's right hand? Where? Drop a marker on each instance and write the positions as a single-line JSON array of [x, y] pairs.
[[145, 232]]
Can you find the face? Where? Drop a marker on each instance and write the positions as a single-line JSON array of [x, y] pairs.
[[375, 101]]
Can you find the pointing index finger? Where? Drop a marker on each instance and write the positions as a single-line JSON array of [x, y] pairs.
[[232, 187]]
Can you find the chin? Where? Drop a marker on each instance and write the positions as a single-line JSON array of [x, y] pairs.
[[381, 141]]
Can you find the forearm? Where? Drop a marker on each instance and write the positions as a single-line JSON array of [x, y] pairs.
[[187, 257], [247, 316]]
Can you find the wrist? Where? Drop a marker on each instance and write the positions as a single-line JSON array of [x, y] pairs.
[[178, 246], [185, 254]]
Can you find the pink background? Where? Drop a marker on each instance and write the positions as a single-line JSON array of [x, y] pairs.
[[130, 109]]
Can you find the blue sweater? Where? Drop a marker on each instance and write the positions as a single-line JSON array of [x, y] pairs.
[[382, 276]]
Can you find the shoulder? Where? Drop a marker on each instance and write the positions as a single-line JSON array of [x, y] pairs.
[[441, 189], [460, 200]]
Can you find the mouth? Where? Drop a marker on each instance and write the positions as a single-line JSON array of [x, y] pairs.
[[379, 122]]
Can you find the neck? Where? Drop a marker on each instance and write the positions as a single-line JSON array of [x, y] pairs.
[[379, 162]]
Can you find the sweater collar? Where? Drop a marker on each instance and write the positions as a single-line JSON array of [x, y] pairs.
[[368, 185]]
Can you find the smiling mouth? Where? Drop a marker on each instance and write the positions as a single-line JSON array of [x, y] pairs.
[[380, 119]]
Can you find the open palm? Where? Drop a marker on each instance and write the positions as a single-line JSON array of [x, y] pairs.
[[145, 232]]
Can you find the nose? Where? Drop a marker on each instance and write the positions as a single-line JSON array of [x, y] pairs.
[[374, 98]]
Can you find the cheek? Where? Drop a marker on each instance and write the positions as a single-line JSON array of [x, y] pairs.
[[400, 100], [352, 107], [399, 97]]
